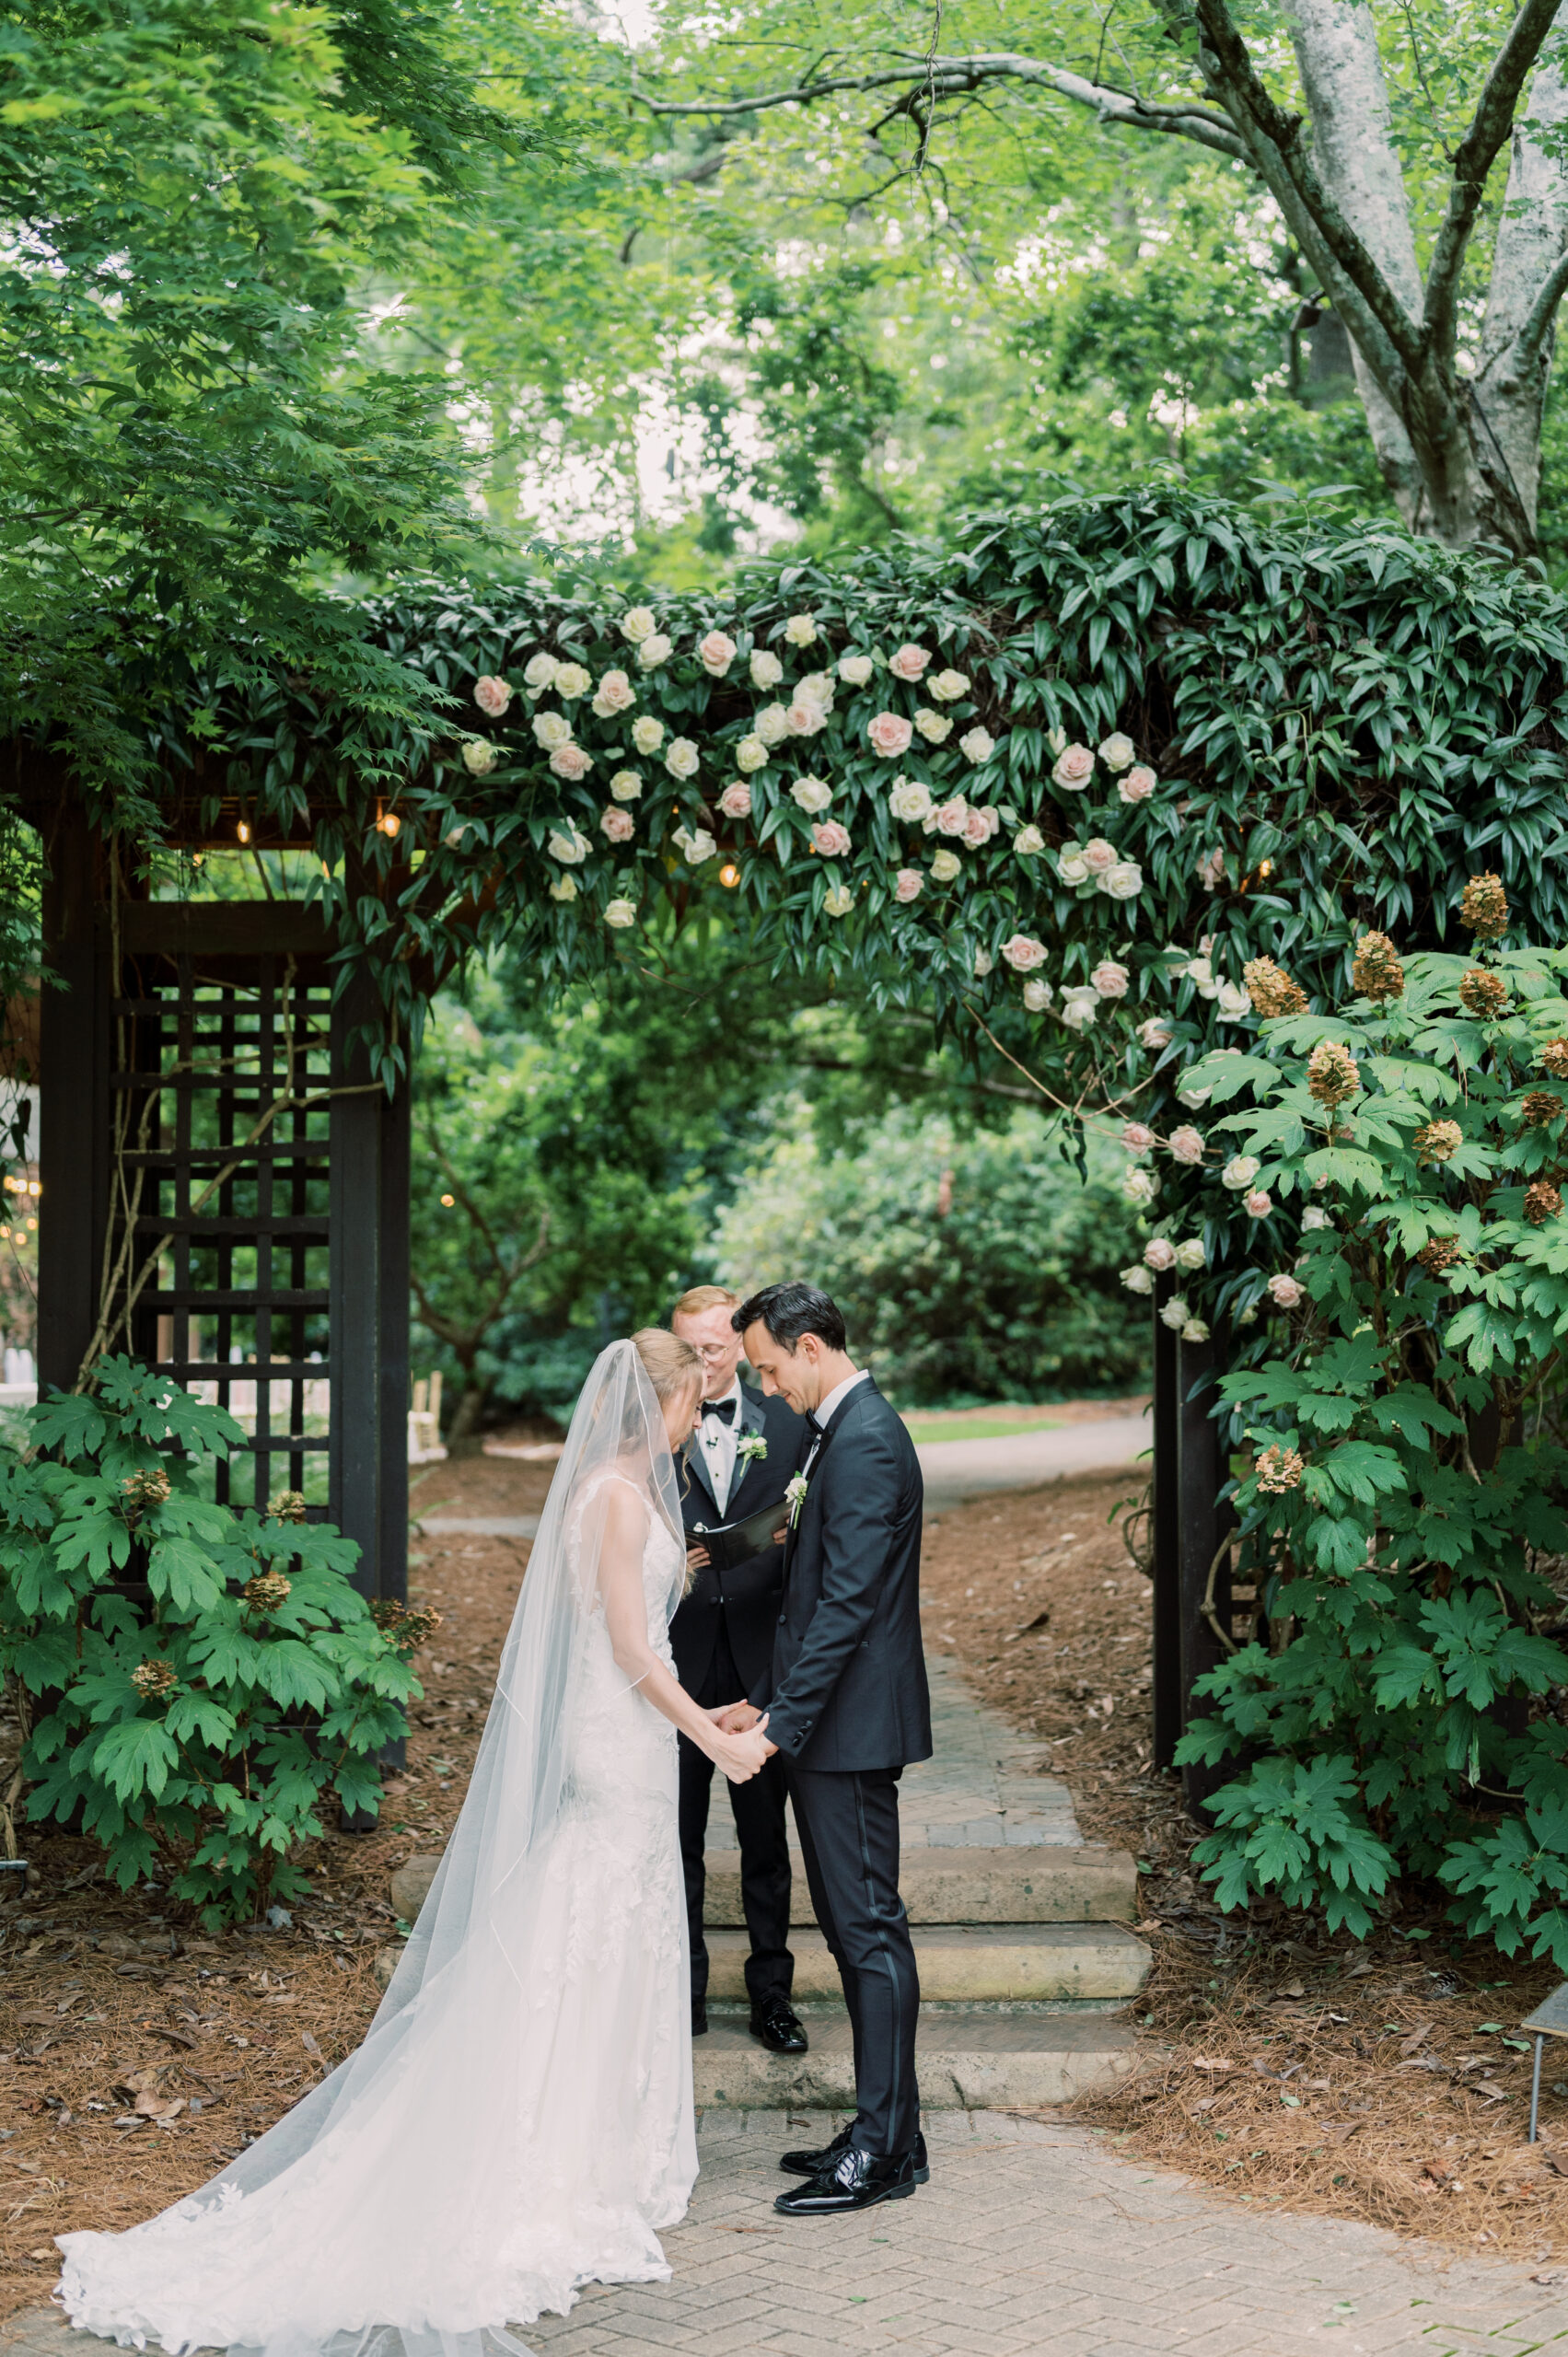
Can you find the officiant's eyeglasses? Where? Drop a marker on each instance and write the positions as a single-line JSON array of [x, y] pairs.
[[711, 1352]]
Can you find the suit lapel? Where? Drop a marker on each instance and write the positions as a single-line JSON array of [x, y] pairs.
[[697, 1465], [823, 1446]]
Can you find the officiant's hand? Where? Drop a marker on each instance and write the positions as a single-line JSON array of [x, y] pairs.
[[735, 1718], [696, 1557]]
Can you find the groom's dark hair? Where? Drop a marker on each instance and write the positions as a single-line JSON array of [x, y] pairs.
[[788, 1311]]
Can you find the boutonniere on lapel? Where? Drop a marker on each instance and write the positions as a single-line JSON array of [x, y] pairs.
[[752, 1446], [795, 1490]]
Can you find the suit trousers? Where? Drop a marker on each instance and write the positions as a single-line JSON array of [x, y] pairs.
[[760, 1824], [849, 1838]]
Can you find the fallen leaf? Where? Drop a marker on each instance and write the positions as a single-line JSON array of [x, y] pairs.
[[308, 2043], [1358, 1972], [174, 2036], [1551, 2275], [1212, 2062], [47, 2251], [1288, 1994], [1408, 2045]]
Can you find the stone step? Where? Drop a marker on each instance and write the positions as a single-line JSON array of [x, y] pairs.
[[1032, 1883], [968, 2057], [1034, 1962]]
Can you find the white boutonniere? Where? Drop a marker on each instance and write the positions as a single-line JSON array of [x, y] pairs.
[[752, 1445], [795, 1491]]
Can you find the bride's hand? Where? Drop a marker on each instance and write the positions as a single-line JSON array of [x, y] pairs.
[[740, 1755]]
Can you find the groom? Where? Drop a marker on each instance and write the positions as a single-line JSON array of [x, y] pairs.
[[847, 1705]]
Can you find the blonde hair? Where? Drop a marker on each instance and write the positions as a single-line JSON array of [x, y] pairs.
[[671, 1365], [700, 1297]]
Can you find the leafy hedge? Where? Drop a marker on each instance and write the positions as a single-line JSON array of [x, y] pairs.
[[1404, 1706], [196, 1682]]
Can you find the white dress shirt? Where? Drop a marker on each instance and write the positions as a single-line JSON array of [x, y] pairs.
[[718, 1443], [825, 1408]]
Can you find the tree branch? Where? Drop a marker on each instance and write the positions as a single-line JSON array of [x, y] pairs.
[[1539, 319], [944, 77], [1490, 127]]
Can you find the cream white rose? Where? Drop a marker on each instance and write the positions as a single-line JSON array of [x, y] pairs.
[[811, 794], [806, 717], [621, 914], [563, 889], [771, 723], [935, 726], [571, 680], [655, 651], [1138, 1185], [695, 843], [735, 799], [1124, 881], [1098, 855], [478, 756], [539, 673], [1023, 953], [1232, 1002], [801, 630], [1029, 843], [1257, 1203], [910, 800], [1194, 1331], [1110, 979], [570, 761], [945, 866], [750, 754], [977, 746], [1079, 1008], [1314, 1217], [1185, 1145], [637, 623], [979, 828], [550, 729], [492, 695], [1155, 1034], [1190, 1256], [615, 825], [1137, 1280], [1038, 995], [947, 686], [1160, 1254], [984, 963], [856, 669], [1138, 783], [766, 668], [908, 884], [648, 734], [1071, 864], [568, 845], [682, 759], [1239, 1172], [626, 785], [1118, 752], [1175, 1313], [838, 900], [951, 818], [909, 662]]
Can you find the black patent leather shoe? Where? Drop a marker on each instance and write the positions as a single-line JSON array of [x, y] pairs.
[[778, 2026], [817, 2164], [699, 2017], [856, 2180]]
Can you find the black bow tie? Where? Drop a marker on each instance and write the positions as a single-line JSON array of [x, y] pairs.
[[813, 1426], [723, 1409]]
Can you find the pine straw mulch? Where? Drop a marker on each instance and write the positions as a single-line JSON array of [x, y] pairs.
[[1280, 2067], [137, 2055]]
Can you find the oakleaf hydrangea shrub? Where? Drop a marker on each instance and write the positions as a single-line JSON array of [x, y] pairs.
[[1397, 1714], [199, 1681]]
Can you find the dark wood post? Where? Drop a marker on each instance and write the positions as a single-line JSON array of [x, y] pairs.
[[1170, 1694], [1205, 1520], [73, 1055]]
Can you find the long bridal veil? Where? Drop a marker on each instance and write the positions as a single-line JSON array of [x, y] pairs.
[[385, 2213]]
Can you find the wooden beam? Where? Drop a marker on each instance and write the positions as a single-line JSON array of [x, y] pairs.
[[1170, 1694]]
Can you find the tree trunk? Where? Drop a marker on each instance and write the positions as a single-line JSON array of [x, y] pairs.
[[1509, 392], [464, 1438]]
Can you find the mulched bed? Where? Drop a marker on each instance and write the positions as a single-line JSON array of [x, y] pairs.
[[1280, 2067]]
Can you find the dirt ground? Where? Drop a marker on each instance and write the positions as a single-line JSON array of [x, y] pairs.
[[1378, 2083]]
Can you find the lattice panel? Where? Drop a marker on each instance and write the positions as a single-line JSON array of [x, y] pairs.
[[223, 1181]]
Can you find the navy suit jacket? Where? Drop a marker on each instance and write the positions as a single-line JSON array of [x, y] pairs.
[[748, 1596], [847, 1687]]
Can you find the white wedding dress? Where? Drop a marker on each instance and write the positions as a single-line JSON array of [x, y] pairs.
[[519, 2121]]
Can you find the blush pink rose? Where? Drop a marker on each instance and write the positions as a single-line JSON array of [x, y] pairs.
[[1023, 953], [1138, 784], [715, 653], [909, 662], [1136, 1136], [891, 733], [979, 828], [1256, 1205], [570, 760], [1110, 979], [1159, 1253], [492, 695], [615, 825], [1185, 1145], [1284, 1292], [1099, 857], [736, 800], [909, 884], [1074, 767], [829, 838], [1211, 871], [1153, 1035], [952, 817], [806, 718]]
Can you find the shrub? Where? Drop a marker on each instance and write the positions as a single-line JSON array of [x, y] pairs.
[[1394, 1713], [195, 1681]]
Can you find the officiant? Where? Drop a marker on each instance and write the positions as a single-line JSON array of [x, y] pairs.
[[722, 1636]]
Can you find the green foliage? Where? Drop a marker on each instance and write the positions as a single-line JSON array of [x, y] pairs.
[[198, 1682], [979, 1267], [1402, 1493]]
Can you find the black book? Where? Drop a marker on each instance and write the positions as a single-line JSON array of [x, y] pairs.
[[729, 1543]]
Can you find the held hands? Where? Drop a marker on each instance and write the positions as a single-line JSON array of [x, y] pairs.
[[733, 1718], [696, 1558], [741, 1753]]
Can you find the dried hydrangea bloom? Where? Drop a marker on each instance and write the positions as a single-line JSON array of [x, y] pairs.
[[1484, 994], [154, 1679], [1378, 972], [1542, 1202], [1271, 990], [266, 1592], [1554, 1056], [1440, 1253], [1484, 906], [1438, 1141], [1332, 1073], [288, 1506], [408, 1631], [143, 1490], [1539, 1107], [1280, 1469]]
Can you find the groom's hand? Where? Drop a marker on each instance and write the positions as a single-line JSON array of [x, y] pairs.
[[733, 1718]]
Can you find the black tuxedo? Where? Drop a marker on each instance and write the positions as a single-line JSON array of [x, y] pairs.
[[722, 1637], [849, 1707]]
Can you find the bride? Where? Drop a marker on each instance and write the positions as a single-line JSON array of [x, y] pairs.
[[518, 2121]]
